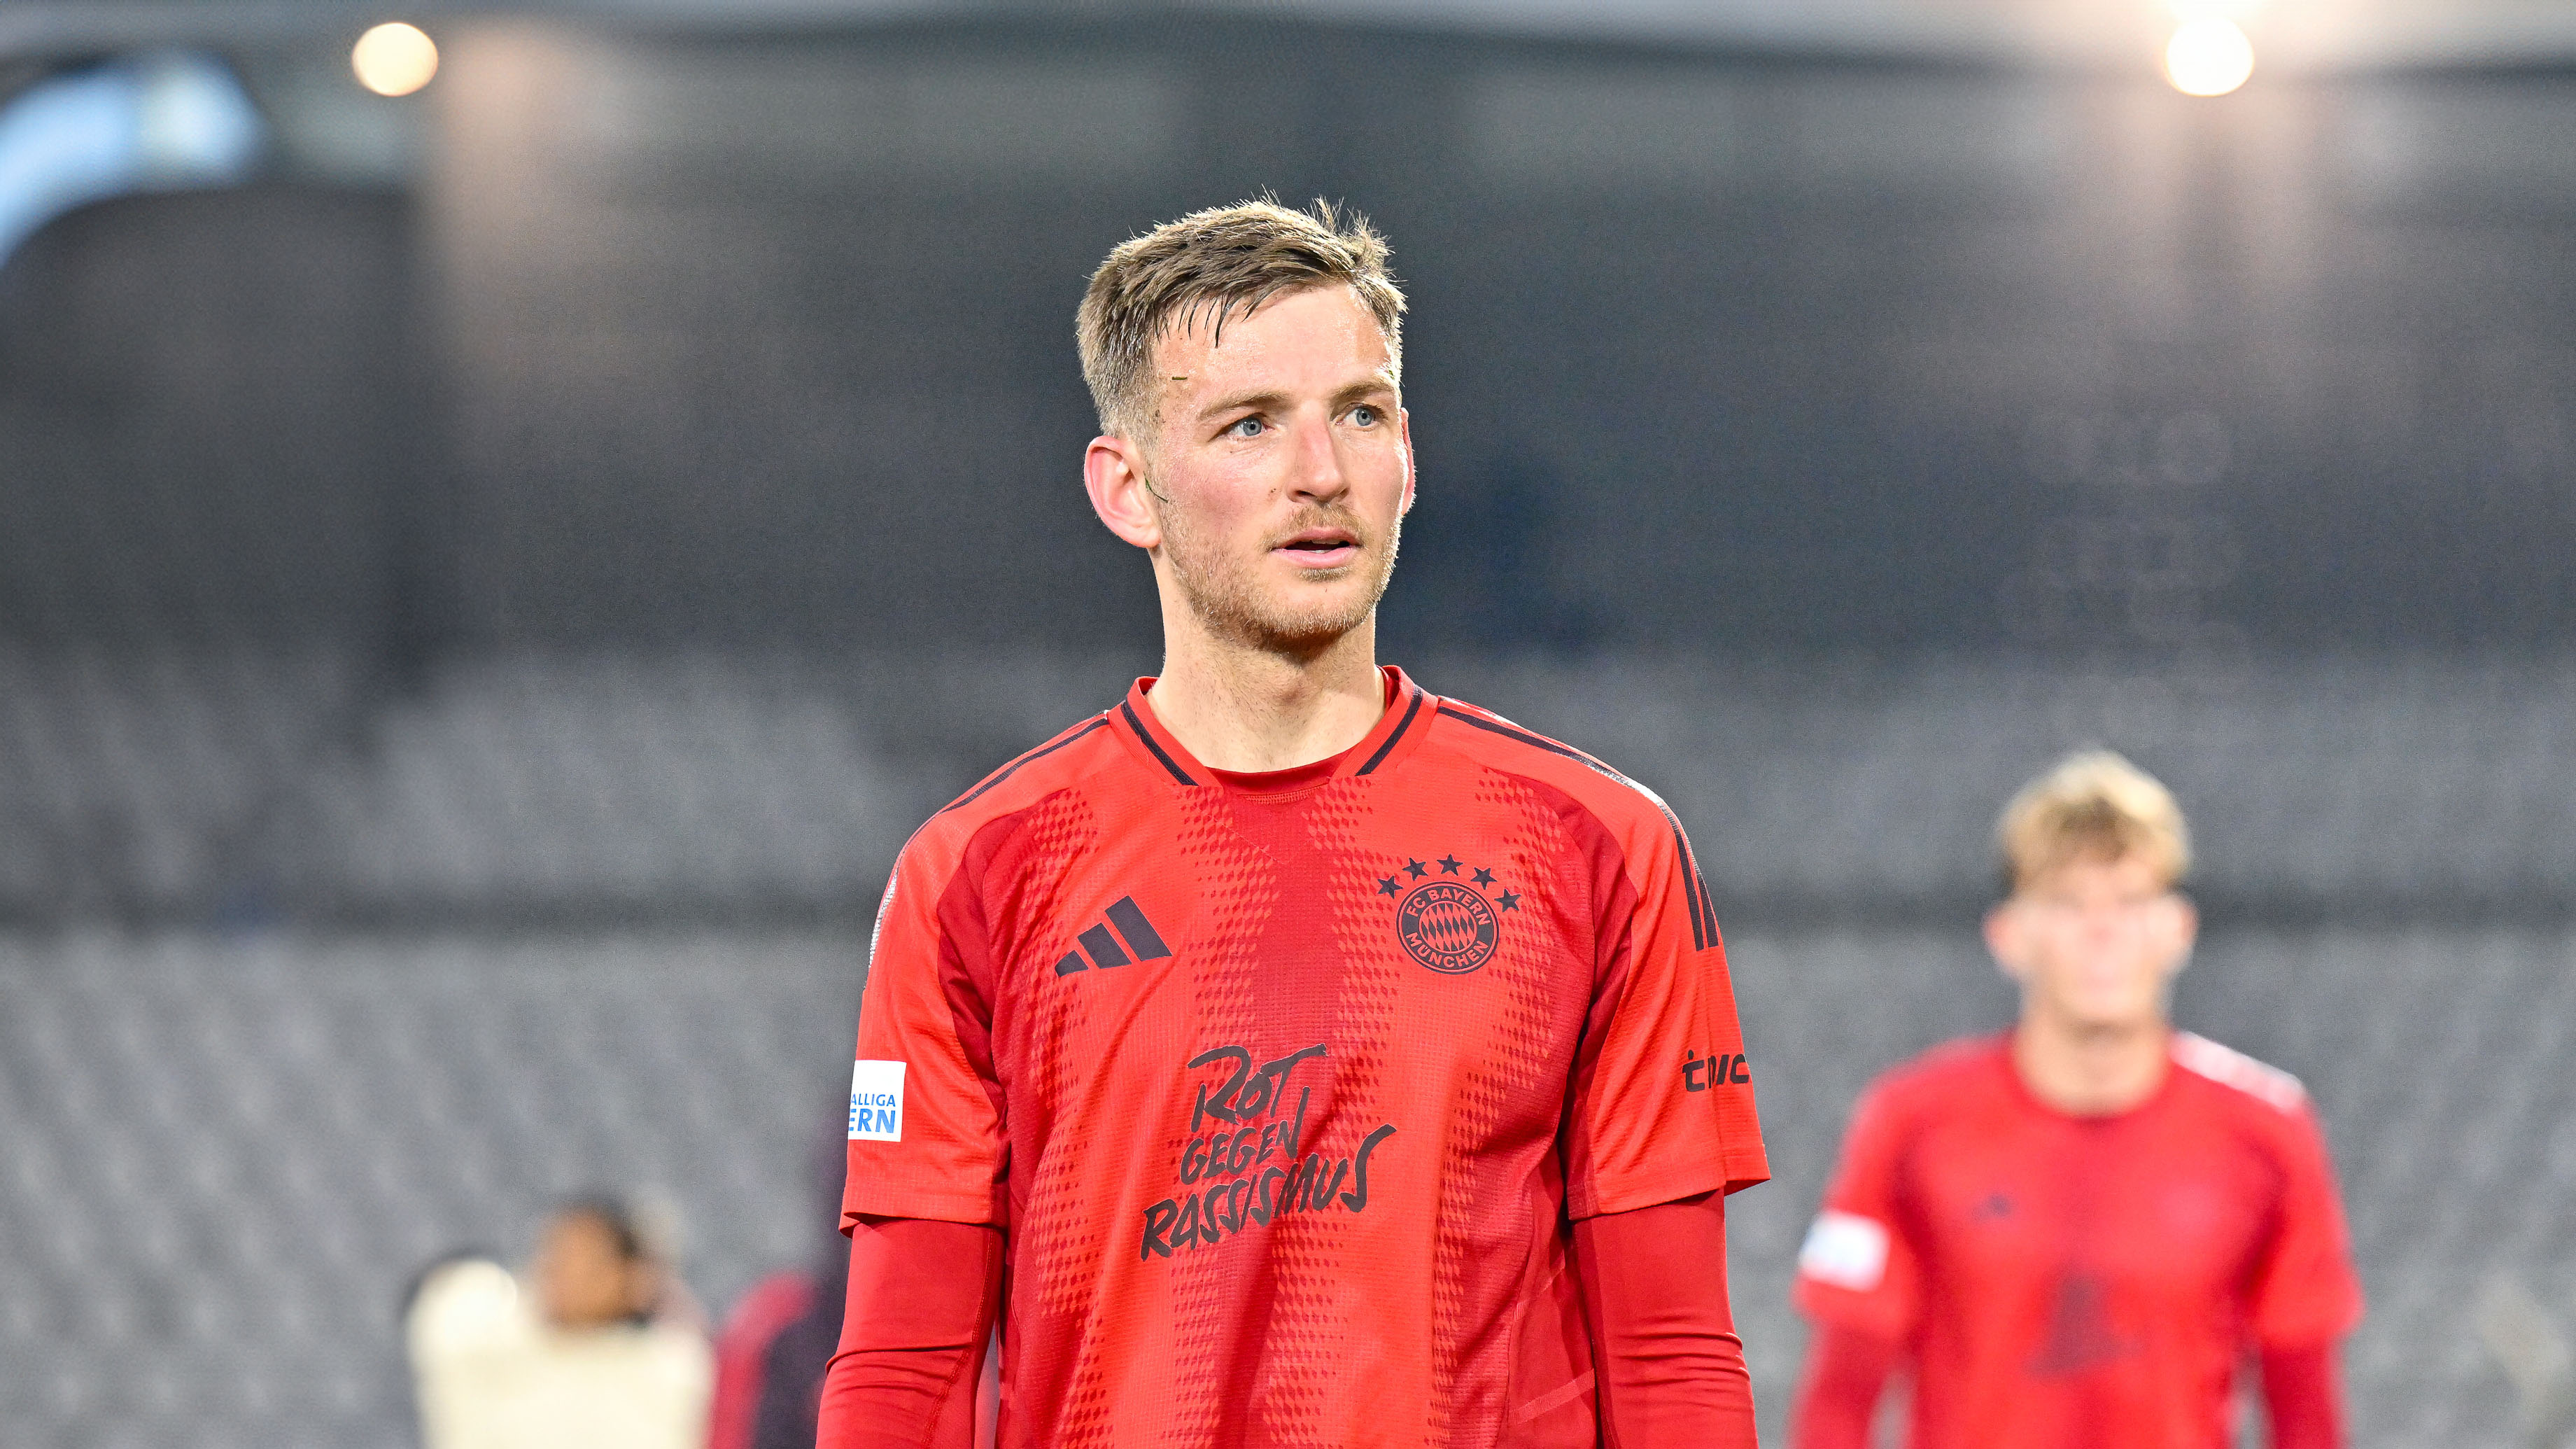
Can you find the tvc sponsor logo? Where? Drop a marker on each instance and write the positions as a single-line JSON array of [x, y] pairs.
[[876, 1101], [1725, 1069]]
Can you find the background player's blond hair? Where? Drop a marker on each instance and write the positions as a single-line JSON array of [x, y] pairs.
[[2093, 805], [1215, 264]]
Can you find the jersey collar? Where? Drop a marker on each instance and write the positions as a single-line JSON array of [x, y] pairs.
[[1409, 708], [2019, 1088]]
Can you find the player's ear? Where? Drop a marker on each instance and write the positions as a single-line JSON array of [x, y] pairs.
[[1404, 432], [2186, 929], [1113, 473], [2004, 940]]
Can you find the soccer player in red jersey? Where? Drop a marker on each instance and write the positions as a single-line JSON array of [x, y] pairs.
[[1288, 1055], [2075, 1234]]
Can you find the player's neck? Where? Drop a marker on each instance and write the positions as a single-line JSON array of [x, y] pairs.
[[2087, 1070], [1241, 708]]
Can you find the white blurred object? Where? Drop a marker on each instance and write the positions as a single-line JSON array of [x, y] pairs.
[[163, 122], [2536, 1356], [493, 1376], [394, 59]]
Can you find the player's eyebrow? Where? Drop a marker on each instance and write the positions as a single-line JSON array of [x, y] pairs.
[[1238, 402], [1350, 393], [1376, 384]]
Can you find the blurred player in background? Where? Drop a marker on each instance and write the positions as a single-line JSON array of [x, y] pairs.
[[601, 1346], [780, 1335], [783, 1330], [2071, 1236], [1289, 1055]]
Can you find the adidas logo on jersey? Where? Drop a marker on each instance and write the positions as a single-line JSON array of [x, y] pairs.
[[1144, 943]]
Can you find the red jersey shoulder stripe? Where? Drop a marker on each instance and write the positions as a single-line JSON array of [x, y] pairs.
[[1096, 722], [1703, 915], [2229, 1067], [1412, 707], [1492, 723], [1147, 736]]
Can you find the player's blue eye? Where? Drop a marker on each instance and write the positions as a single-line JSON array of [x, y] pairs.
[[1366, 415], [1248, 427]]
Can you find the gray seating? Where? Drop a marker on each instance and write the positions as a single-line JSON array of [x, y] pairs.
[[178, 784], [543, 921], [135, 781], [227, 1157]]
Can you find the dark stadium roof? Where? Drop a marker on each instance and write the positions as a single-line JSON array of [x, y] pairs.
[[2291, 35]]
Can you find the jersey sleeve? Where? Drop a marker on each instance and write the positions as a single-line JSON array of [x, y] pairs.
[[2305, 1291], [925, 1107], [1855, 1269], [1662, 1105]]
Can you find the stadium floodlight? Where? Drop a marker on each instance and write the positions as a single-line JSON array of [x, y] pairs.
[[2208, 57], [394, 59]]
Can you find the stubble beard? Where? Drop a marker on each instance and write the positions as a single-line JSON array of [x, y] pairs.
[[1225, 595]]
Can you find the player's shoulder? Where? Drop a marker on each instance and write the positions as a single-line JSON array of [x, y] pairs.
[[1497, 743], [2237, 1080], [1069, 756], [1942, 1075], [1958, 1083]]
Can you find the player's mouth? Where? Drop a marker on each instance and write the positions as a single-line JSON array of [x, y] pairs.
[[1320, 548]]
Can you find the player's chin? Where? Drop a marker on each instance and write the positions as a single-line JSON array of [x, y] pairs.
[[2123, 1013], [1311, 621]]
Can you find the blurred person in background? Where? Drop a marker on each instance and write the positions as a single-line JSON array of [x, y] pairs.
[[606, 1350], [780, 1335], [1328, 1062], [779, 1339], [2074, 1234]]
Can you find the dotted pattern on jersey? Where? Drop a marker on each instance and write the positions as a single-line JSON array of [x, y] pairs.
[[1422, 1313], [1482, 1217], [1239, 895], [1317, 1273], [1056, 833]]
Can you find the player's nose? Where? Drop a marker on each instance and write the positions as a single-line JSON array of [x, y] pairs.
[[1319, 472]]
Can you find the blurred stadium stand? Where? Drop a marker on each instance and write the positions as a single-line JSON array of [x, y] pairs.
[[482, 604], [567, 786], [271, 1129], [613, 784], [227, 1157], [138, 783], [261, 1139]]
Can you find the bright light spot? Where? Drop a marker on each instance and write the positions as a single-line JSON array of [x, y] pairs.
[[394, 59], [2208, 58]]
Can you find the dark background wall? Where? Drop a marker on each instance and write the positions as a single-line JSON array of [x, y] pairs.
[[769, 338], [209, 416]]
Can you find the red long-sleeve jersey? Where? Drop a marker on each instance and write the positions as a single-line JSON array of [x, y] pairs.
[[2059, 1280], [1285, 1091]]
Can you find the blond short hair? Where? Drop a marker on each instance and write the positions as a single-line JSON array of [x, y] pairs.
[[2093, 805], [1218, 263]]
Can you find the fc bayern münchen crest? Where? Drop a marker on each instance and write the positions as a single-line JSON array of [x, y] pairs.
[[1448, 927]]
